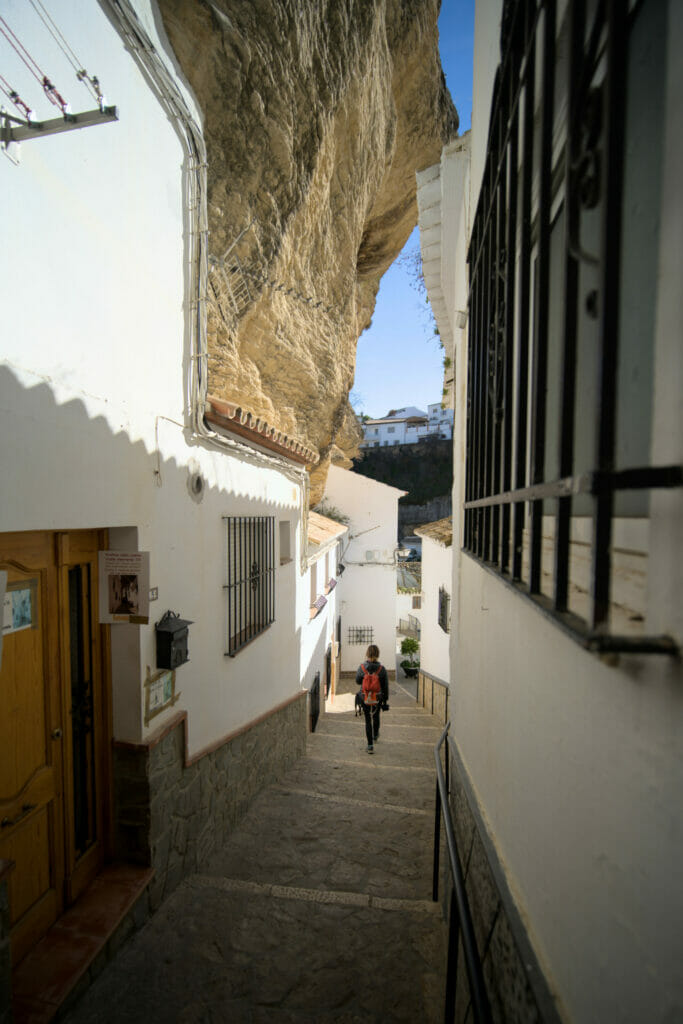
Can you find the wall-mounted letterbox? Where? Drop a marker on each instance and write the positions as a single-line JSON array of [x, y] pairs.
[[171, 633]]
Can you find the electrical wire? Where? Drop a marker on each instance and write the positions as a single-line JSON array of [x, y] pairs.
[[92, 83], [14, 97], [46, 85]]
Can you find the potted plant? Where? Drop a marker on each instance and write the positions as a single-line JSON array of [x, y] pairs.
[[411, 664]]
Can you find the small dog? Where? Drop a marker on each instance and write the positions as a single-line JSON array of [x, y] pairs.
[[359, 704]]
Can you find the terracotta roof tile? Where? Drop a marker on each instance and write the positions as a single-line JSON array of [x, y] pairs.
[[441, 531]]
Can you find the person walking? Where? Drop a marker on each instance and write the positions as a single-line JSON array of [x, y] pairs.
[[372, 678]]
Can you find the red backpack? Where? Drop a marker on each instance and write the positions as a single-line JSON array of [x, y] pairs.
[[371, 687]]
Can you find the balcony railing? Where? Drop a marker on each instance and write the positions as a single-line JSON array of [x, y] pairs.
[[409, 627]]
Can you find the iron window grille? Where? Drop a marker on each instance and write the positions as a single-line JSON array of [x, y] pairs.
[[444, 616], [359, 635], [250, 573], [557, 430]]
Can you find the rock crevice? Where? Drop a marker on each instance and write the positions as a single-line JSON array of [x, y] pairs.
[[316, 116]]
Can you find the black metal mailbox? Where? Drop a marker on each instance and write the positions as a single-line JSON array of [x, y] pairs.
[[172, 634]]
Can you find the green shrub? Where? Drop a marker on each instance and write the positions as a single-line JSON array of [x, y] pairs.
[[410, 646]]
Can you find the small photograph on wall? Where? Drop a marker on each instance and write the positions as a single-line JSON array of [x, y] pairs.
[[124, 586], [123, 594]]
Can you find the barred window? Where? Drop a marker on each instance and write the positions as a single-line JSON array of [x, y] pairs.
[[444, 617], [563, 289], [360, 635], [250, 578], [417, 601]]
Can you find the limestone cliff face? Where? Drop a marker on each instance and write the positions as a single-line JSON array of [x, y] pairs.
[[317, 113]]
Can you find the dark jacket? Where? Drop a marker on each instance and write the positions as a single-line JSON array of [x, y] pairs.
[[373, 666]]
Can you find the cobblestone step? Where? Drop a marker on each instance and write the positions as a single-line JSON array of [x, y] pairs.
[[317, 908]]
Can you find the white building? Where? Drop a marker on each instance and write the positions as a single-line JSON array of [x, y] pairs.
[[567, 610], [435, 609], [408, 426], [104, 752], [319, 598], [368, 608]]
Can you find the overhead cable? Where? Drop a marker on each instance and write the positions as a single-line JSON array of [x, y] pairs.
[[48, 88], [15, 98], [92, 83]]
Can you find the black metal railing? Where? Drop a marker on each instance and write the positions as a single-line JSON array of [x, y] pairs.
[[561, 356], [460, 926]]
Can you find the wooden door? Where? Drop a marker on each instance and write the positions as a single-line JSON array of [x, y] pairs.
[[53, 725], [31, 804]]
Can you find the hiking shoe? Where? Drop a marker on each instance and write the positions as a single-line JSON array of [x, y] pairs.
[[370, 749]]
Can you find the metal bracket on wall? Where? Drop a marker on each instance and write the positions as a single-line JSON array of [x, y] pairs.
[[15, 129]]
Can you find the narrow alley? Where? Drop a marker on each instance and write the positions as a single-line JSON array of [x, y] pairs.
[[318, 908]]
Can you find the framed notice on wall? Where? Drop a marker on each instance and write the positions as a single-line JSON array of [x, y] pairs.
[[124, 586], [160, 692]]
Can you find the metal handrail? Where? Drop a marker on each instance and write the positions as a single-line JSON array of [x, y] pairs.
[[459, 917]]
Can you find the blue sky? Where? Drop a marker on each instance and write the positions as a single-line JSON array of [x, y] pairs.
[[399, 361]]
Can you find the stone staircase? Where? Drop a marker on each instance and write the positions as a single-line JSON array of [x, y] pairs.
[[317, 909]]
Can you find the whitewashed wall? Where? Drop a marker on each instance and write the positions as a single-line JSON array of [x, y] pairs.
[[437, 571], [369, 595], [93, 382], [577, 761], [317, 634]]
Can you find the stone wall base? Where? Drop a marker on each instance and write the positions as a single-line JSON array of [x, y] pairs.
[[433, 694], [515, 984], [171, 814]]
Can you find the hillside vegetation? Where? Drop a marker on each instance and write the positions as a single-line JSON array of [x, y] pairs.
[[424, 469]]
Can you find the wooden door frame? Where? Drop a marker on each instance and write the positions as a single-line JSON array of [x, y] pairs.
[[68, 554]]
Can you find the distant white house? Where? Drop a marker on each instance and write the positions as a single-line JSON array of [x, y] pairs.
[[368, 608], [407, 426], [435, 611]]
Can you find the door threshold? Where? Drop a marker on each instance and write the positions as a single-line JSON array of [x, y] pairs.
[[70, 955]]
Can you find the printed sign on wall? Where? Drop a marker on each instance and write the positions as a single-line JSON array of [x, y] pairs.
[[19, 607], [124, 586], [160, 692]]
